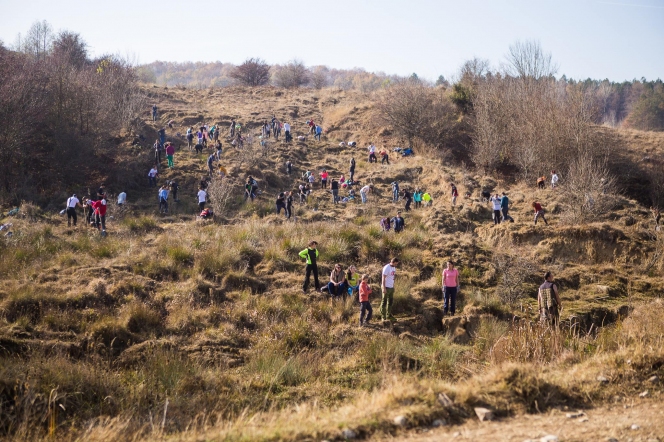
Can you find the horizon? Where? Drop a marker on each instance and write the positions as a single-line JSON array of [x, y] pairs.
[[601, 40]]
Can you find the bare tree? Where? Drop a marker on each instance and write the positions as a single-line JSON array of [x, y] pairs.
[[293, 75], [590, 190], [320, 77], [513, 271], [528, 60], [253, 72], [221, 192], [70, 48], [38, 40]]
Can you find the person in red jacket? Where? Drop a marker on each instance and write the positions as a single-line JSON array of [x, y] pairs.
[[100, 213], [539, 212], [170, 150], [365, 304]]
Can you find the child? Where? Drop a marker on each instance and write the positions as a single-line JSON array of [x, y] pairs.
[[365, 305]]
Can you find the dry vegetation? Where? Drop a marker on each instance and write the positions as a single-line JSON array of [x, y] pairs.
[[198, 330]]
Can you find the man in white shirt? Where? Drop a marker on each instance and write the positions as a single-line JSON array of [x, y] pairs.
[[152, 176], [554, 179], [72, 202], [122, 198], [364, 192], [372, 154], [202, 197], [287, 132], [495, 202], [387, 287]]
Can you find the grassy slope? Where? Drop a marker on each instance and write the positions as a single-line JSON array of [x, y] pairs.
[[211, 317]]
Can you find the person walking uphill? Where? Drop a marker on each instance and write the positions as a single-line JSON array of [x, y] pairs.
[[451, 286], [539, 212], [72, 202], [352, 168], [505, 207], [548, 300], [170, 151], [311, 256], [387, 287]]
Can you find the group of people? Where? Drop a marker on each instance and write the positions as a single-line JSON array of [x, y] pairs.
[[541, 181], [94, 208]]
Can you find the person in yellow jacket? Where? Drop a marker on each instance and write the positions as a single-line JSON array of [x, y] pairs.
[[311, 255]]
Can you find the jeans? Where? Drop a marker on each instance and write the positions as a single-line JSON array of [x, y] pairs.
[[163, 204], [395, 195], [154, 116], [506, 217], [337, 290], [364, 197], [335, 196], [317, 137], [365, 307], [449, 294], [311, 268], [540, 214], [386, 303]]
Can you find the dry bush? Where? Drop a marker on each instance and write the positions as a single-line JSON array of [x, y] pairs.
[[320, 77], [514, 270], [291, 76], [417, 111], [253, 72], [222, 191], [590, 190]]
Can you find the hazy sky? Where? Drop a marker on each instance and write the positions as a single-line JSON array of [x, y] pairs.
[[615, 39]]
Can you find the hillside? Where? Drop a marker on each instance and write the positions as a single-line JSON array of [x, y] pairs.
[[177, 327]]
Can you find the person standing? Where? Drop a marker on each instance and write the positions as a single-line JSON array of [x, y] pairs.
[[409, 199], [539, 212], [310, 254], [122, 198], [451, 285], [364, 192], [72, 202], [163, 199], [210, 163], [352, 168], [495, 201], [287, 134], [387, 287], [455, 194], [154, 112], [202, 198], [162, 135], [398, 222], [426, 197], [174, 190], [337, 285], [417, 198], [281, 204], [335, 191], [505, 207], [289, 204], [152, 176], [554, 179], [232, 128], [548, 300], [323, 179], [289, 167], [395, 191], [365, 304], [157, 152], [170, 151], [319, 132]]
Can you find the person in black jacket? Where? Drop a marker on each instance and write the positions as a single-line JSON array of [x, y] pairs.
[[398, 222]]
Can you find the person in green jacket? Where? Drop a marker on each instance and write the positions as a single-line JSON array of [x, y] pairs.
[[311, 255]]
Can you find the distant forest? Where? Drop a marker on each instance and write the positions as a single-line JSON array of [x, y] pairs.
[[637, 104]]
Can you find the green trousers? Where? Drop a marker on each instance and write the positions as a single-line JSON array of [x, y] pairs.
[[386, 302], [170, 160]]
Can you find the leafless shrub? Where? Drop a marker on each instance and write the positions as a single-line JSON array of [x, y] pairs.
[[590, 190], [514, 270], [415, 110], [249, 153], [253, 72], [528, 60], [320, 77], [293, 75], [221, 192]]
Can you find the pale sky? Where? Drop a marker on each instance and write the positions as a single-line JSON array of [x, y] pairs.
[[614, 39]]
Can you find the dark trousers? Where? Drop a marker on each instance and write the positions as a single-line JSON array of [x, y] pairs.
[[311, 268], [157, 157], [100, 221], [372, 158], [496, 216], [201, 206], [163, 204], [506, 216], [352, 174], [449, 294], [289, 210], [385, 159], [152, 181], [90, 215], [337, 290], [288, 137], [408, 205], [335, 196], [281, 206], [365, 307], [71, 213], [323, 184]]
